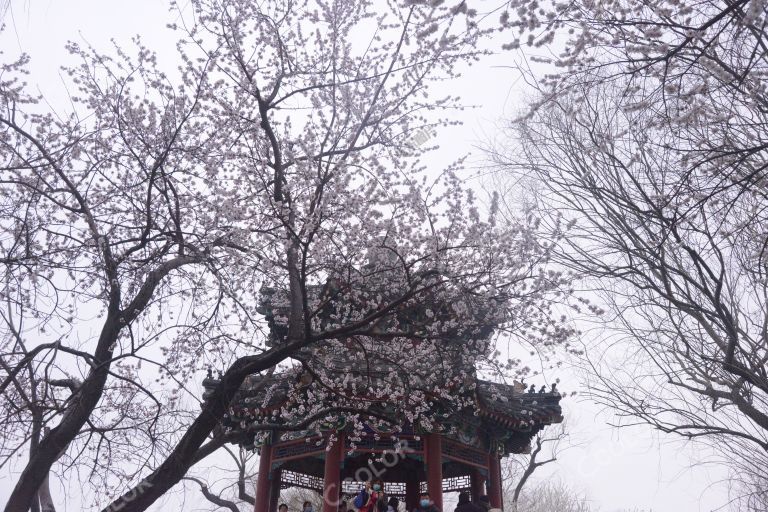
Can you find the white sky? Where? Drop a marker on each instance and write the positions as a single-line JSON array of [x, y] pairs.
[[616, 469]]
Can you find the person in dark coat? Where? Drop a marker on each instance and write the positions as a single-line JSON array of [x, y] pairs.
[[465, 505], [484, 502], [425, 504]]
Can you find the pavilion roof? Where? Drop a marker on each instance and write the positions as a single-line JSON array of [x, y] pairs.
[[505, 409], [511, 407], [501, 410]]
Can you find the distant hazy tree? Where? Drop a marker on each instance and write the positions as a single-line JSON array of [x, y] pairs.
[[140, 227], [233, 491], [545, 449], [650, 137], [551, 495]]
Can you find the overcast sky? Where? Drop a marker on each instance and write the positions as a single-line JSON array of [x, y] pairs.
[[616, 469]]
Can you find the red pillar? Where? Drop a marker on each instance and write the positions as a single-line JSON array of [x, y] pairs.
[[274, 490], [478, 484], [332, 475], [494, 474], [263, 483], [411, 493], [435, 469]]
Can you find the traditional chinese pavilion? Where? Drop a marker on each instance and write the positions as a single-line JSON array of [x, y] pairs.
[[463, 454]]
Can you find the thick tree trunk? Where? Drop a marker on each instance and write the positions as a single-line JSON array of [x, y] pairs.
[[53, 444], [183, 456], [34, 442], [88, 395], [44, 494]]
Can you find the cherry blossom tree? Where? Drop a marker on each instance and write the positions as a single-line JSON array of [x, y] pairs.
[[143, 228]]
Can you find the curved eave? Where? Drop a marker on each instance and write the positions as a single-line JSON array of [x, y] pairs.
[[551, 414]]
